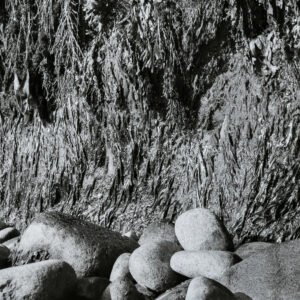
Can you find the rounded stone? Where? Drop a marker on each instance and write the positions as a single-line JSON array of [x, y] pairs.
[[202, 288], [48, 280], [211, 264], [91, 288], [8, 233], [120, 267], [200, 229], [249, 249], [176, 293], [158, 231], [149, 265], [124, 289]]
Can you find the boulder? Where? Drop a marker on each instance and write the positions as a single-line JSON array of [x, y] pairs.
[[202, 288], [90, 249], [91, 288], [158, 231], [121, 267], [8, 233], [149, 265], [176, 293], [124, 289], [249, 249], [211, 264], [4, 256], [12, 244], [200, 229], [270, 274], [48, 280]]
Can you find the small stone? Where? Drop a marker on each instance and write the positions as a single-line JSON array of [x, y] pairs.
[[149, 265], [120, 267], [200, 229], [202, 288], [8, 233], [211, 264], [91, 288], [124, 289], [158, 231]]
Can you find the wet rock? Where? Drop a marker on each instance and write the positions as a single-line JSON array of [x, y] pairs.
[[49, 280], [149, 265], [8, 233], [202, 288], [176, 293], [200, 229], [121, 267], [271, 274], [90, 249], [248, 249], [91, 288], [158, 231], [211, 264]]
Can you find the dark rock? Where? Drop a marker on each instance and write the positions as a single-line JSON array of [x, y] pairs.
[[91, 288], [8, 233], [12, 244], [90, 249], [4, 256], [176, 293]]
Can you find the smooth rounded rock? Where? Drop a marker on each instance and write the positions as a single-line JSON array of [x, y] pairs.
[[200, 229], [270, 274], [211, 264], [91, 288], [202, 288], [48, 280], [120, 267], [90, 249], [8, 233], [248, 249], [149, 265], [176, 293], [4, 256], [158, 231]]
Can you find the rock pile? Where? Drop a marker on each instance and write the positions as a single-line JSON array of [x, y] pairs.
[[62, 257]]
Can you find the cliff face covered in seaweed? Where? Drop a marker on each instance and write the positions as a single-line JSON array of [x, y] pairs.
[[127, 111]]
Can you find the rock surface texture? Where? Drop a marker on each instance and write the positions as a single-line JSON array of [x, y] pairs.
[[250, 249], [270, 274], [90, 249], [149, 265], [49, 280], [176, 293], [120, 267], [200, 229]]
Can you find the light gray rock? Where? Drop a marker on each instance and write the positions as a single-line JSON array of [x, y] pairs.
[[202, 288], [158, 231], [149, 265], [211, 264], [270, 274], [12, 243], [248, 249], [200, 229], [8, 233], [120, 267], [176, 293], [91, 288], [4, 256], [90, 249], [49, 280]]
